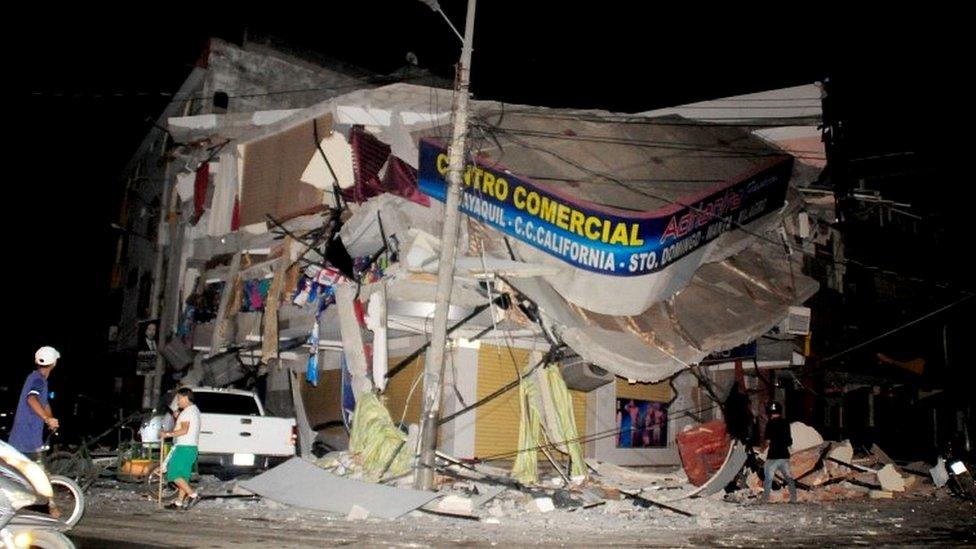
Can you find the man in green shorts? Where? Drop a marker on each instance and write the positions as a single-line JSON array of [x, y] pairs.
[[184, 456]]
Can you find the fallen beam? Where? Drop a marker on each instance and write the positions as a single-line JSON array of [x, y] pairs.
[[644, 502]]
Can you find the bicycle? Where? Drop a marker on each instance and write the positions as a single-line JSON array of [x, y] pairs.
[[67, 495], [80, 465]]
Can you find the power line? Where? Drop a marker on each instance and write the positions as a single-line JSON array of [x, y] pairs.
[[729, 219], [895, 330], [583, 439], [643, 119], [719, 149]]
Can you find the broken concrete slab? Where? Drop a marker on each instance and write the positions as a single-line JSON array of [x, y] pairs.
[[487, 494], [842, 451], [881, 455], [628, 479], [939, 474], [804, 437], [590, 497], [302, 484], [890, 479], [804, 462], [357, 513], [541, 505], [453, 504]]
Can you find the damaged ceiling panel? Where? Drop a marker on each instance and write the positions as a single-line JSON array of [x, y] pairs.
[[725, 305], [272, 171], [302, 484], [633, 206]]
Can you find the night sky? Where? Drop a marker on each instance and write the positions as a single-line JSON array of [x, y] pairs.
[[85, 84]]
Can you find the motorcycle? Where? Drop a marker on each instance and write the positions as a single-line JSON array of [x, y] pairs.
[[952, 472], [23, 484]]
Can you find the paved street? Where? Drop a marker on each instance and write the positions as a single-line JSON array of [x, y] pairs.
[[119, 519]]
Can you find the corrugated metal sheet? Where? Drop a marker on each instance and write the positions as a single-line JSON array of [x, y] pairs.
[[497, 423], [368, 156], [579, 411]]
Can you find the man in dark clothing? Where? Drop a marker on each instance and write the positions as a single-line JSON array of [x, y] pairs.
[[778, 457], [33, 410]]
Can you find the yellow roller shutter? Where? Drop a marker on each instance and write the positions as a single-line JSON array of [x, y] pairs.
[[496, 426], [579, 411], [497, 423], [395, 395]]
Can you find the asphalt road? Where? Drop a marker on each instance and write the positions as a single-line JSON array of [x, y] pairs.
[[946, 522]]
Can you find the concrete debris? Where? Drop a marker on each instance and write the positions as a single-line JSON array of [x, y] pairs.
[[879, 454], [357, 513], [829, 472], [803, 462], [890, 480], [492, 520], [804, 437], [485, 494], [455, 505], [541, 505], [564, 499], [609, 493], [590, 497], [842, 451], [939, 474], [630, 479]]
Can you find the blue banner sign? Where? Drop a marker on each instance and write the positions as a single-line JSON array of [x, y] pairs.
[[603, 239]]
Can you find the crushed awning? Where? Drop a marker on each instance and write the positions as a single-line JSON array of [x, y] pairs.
[[726, 304]]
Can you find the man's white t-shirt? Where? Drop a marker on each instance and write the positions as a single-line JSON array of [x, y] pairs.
[[191, 415]]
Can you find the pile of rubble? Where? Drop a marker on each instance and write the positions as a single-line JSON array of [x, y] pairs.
[[824, 471], [829, 471]]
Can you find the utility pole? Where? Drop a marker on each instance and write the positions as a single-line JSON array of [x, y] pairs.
[[434, 367]]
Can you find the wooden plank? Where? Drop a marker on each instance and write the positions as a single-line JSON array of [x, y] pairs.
[[220, 322]]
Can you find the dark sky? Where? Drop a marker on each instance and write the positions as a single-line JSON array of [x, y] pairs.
[[85, 82]]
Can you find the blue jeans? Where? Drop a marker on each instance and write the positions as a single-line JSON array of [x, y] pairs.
[[770, 468]]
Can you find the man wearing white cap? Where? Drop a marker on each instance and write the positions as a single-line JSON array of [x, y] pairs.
[[33, 410]]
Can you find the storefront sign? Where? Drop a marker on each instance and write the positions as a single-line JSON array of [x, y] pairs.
[[603, 239]]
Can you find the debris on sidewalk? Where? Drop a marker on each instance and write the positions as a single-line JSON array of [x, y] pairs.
[[302, 484], [829, 471]]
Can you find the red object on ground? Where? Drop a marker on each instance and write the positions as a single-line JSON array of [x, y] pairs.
[[703, 450]]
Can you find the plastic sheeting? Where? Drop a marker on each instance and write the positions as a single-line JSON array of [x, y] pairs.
[[377, 440], [526, 467], [563, 404]]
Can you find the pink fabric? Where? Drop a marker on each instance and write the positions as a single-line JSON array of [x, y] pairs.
[[200, 185]]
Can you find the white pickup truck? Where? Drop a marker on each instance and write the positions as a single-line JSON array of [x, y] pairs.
[[236, 436]]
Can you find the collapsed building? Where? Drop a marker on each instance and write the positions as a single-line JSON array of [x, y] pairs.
[[300, 246]]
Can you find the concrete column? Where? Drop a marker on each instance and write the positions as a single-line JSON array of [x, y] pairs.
[[601, 407], [685, 383], [456, 437]]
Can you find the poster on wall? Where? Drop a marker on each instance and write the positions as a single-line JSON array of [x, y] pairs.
[[146, 356], [641, 424]]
